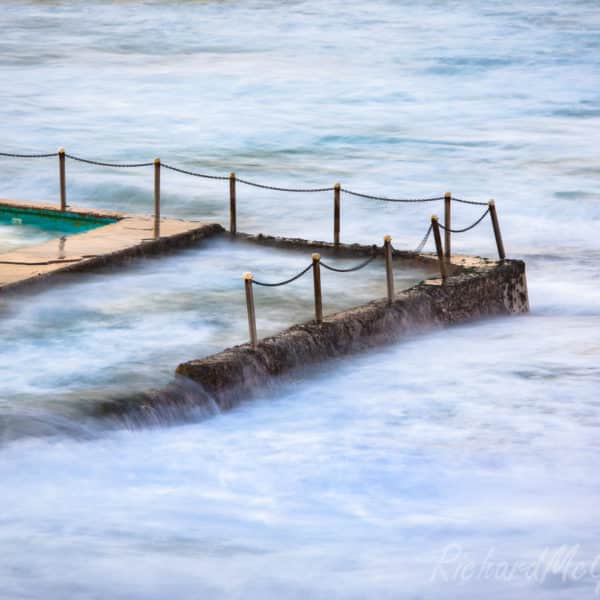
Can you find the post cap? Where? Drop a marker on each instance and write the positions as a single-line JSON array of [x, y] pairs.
[[61, 150], [232, 175], [157, 161], [247, 276], [491, 203], [434, 217], [447, 195], [316, 256], [338, 185], [387, 238]]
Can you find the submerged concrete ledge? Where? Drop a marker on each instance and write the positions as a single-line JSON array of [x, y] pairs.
[[127, 237], [424, 261], [481, 289]]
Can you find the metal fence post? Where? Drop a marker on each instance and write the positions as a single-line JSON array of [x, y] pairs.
[[438, 246], [248, 286], [316, 259], [232, 206], [336, 213], [447, 222], [389, 273], [496, 226], [62, 175], [157, 197]]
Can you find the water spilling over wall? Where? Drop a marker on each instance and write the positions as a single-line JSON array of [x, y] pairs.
[[489, 290], [352, 482]]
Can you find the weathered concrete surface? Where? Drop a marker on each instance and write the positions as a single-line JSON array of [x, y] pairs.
[[129, 237], [482, 289], [424, 261]]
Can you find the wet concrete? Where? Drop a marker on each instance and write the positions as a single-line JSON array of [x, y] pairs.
[[481, 288], [426, 261], [476, 287], [128, 237]]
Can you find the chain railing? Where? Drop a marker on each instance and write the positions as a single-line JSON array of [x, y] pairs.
[[472, 202], [233, 180], [13, 155], [358, 267], [435, 227], [285, 281], [275, 188], [423, 242], [193, 173], [468, 227], [315, 265], [443, 251], [387, 199], [100, 163]]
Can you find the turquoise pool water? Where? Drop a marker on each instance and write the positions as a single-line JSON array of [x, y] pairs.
[[24, 227]]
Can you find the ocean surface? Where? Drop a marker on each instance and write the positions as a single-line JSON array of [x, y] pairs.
[[459, 464]]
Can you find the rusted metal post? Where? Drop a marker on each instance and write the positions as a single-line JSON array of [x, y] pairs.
[[336, 213], [157, 197], [447, 223], [250, 306], [496, 226], [62, 175], [316, 264], [438, 246], [389, 273], [232, 207]]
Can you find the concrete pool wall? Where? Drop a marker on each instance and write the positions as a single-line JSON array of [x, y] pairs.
[[476, 287], [479, 288], [114, 238]]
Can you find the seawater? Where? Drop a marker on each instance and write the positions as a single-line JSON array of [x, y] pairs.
[[362, 477]]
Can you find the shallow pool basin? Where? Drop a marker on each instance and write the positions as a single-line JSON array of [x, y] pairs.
[[23, 226]]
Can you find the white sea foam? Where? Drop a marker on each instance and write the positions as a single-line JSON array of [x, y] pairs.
[[350, 480]]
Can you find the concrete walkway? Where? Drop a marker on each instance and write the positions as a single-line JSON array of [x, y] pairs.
[[129, 236]]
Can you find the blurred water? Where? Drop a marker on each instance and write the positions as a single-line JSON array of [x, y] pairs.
[[350, 480], [124, 330]]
